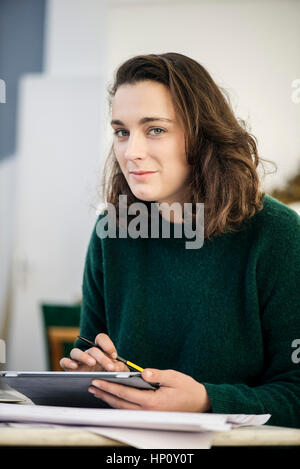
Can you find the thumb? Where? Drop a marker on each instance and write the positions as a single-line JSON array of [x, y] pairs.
[[164, 377]]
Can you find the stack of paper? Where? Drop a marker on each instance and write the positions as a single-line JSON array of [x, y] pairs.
[[142, 429]]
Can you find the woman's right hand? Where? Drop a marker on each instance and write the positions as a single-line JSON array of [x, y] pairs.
[[94, 359]]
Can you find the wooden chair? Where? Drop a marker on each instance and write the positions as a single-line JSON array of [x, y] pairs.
[[61, 326]]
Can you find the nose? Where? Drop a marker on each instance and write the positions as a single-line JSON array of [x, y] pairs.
[[135, 147]]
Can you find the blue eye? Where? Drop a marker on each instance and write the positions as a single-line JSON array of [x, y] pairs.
[[157, 128], [116, 132]]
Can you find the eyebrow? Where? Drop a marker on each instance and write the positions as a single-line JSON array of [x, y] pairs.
[[142, 121]]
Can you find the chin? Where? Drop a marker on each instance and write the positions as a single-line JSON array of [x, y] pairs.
[[144, 197]]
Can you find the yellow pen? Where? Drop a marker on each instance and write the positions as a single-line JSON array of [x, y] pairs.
[[128, 363]]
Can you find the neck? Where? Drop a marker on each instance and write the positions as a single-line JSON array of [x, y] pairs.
[[171, 212]]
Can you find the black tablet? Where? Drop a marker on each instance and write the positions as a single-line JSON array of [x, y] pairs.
[[68, 388]]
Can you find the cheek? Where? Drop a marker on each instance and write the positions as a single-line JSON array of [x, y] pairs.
[[175, 178], [122, 163], [176, 169], [118, 157], [175, 154], [118, 151]]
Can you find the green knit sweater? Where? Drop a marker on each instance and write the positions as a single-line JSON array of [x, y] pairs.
[[225, 314]]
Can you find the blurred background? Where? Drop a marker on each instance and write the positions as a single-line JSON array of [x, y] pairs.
[[57, 58]]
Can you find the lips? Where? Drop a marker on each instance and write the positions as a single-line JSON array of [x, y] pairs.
[[142, 172]]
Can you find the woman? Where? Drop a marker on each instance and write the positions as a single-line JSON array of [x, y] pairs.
[[214, 325]]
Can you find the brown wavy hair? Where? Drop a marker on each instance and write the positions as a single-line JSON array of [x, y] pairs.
[[222, 153]]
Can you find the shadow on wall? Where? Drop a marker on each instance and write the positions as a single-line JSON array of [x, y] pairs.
[[290, 193]]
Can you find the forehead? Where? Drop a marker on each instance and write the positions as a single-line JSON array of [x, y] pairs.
[[142, 98]]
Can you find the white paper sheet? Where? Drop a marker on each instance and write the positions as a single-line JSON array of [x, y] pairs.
[[7, 394], [182, 421], [157, 439], [155, 420], [135, 428], [138, 438]]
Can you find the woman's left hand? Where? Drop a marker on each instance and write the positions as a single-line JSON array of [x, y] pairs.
[[178, 393]]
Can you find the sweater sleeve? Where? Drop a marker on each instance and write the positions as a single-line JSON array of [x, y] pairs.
[[92, 315], [279, 391]]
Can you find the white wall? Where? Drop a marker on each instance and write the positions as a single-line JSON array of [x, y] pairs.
[[76, 37], [57, 174], [60, 141]]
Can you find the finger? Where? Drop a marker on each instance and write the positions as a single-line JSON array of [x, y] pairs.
[[127, 393], [120, 366], [82, 357], [106, 344], [112, 400], [163, 377], [102, 359], [67, 364]]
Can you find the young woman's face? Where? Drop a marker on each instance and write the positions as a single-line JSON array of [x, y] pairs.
[[143, 141]]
